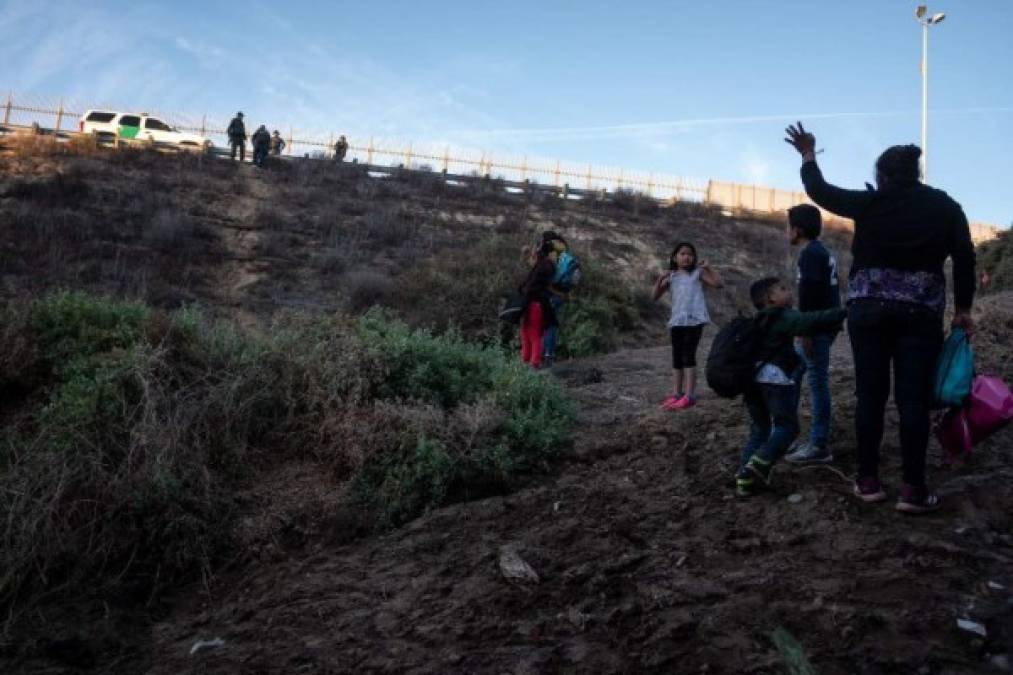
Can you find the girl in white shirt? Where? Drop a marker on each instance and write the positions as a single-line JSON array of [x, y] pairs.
[[684, 280]]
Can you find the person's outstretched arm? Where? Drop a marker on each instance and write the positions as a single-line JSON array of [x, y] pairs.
[[846, 203], [661, 285], [710, 276], [962, 253]]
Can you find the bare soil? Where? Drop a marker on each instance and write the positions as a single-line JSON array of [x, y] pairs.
[[645, 563]]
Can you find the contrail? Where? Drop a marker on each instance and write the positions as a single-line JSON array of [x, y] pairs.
[[644, 128]]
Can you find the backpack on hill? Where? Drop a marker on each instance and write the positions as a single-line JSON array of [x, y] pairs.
[[732, 360], [567, 272]]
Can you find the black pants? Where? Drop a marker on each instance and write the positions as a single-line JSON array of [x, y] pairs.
[[685, 340], [241, 145], [910, 338]]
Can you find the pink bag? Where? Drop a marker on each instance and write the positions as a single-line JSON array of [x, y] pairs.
[[987, 409]]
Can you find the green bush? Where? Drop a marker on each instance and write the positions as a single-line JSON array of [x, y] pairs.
[[530, 420], [996, 257], [122, 469]]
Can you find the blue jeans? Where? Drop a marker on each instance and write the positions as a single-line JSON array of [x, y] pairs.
[[552, 332], [773, 417], [817, 367]]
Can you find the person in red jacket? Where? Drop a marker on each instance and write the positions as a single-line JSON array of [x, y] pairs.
[[538, 314]]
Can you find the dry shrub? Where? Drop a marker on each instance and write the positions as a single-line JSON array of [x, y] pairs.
[[173, 232], [365, 288], [64, 187]]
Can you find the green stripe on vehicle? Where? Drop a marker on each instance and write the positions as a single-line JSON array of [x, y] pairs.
[[129, 132]]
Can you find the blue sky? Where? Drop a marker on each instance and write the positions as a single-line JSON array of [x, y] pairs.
[[701, 89]]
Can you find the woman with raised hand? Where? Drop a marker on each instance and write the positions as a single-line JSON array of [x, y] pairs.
[[904, 233]]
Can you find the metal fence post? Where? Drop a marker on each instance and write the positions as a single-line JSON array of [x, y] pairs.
[[446, 159], [408, 157], [650, 185], [556, 182], [7, 109], [588, 185], [369, 152], [291, 135], [204, 125], [59, 117]]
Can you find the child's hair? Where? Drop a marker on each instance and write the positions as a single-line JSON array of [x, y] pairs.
[[681, 245], [546, 248], [806, 219], [758, 291]]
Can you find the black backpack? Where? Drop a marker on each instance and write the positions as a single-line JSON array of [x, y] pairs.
[[731, 363], [513, 308]]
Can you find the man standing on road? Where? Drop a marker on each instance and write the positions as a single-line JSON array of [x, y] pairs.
[[818, 289], [277, 143], [340, 149], [261, 144], [237, 136]]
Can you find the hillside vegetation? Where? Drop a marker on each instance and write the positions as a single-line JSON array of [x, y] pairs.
[[203, 360]]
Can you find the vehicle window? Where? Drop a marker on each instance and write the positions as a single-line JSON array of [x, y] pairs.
[[158, 125], [130, 121], [98, 116]]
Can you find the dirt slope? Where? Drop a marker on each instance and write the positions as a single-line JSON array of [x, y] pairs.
[[645, 564]]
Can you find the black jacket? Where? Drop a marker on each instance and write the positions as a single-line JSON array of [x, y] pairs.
[[912, 228], [237, 130], [817, 278], [536, 288]]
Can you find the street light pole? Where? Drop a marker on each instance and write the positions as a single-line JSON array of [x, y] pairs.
[[925, 101], [921, 14]]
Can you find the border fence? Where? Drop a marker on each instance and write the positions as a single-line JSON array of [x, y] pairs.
[[61, 117]]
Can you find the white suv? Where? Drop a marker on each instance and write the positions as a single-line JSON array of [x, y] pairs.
[[108, 125]]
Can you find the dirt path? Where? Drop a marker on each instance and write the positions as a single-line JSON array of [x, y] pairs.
[[645, 563]]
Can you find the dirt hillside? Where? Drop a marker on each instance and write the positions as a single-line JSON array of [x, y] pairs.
[[631, 554], [644, 563]]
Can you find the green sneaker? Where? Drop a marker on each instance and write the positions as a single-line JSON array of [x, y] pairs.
[[745, 485], [760, 469]]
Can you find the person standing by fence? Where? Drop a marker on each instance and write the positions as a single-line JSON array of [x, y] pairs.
[[904, 232], [277, 143], [261, 145], [340, 149], [237, 136]]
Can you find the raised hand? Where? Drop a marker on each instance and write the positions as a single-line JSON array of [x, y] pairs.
[[800, 139]]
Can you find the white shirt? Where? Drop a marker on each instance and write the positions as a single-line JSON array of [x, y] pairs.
[[688, 305]]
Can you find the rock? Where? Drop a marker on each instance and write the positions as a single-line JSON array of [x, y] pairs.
[[1000, 662], [514, 567], [972, 627], [206, 644], [794, 498], [996, 586]]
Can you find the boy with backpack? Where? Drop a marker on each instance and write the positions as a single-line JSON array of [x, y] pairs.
[[766, 350], [817, 289]]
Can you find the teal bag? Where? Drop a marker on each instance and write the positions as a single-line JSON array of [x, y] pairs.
[[954, 371]]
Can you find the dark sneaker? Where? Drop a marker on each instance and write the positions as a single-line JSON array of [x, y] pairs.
[[870, 490], [760, 469], [809, 453], [917, 500]]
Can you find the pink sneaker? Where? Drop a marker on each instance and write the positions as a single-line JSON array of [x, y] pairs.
[[670, 403], [684, 403]]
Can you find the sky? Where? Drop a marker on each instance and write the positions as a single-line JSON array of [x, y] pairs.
[[699, 89]]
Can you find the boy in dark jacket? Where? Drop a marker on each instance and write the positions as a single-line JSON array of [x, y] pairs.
[[818, 289], [772, 403]]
